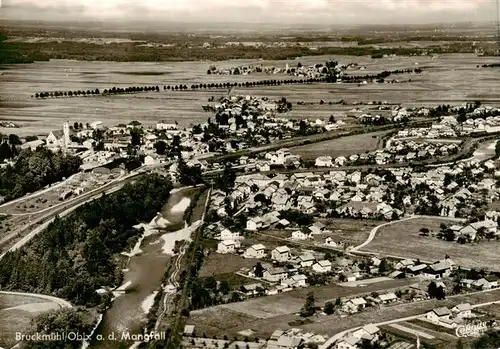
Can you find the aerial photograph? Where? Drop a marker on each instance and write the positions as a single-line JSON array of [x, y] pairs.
[[249, 174]]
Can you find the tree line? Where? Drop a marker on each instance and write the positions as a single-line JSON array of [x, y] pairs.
[[76, 255], [33, 170], [214, 85], [180, 87]]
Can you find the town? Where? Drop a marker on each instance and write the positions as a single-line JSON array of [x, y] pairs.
[[165, 186]]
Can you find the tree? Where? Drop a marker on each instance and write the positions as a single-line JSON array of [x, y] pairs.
[[75, 125], [431, 289], [161, 147], [309, 308], [14, 139], [5, 151], [331, 119], [383, 267], [136, 135], [329, 308], [259, 270]]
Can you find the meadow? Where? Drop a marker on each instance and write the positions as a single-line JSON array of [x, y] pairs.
[[441, 82]]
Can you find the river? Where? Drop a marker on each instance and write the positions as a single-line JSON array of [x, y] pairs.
[[142, 278]]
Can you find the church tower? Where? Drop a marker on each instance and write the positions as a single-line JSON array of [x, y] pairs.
[[66, 139]]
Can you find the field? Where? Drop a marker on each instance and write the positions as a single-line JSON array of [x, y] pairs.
[[281, 308], [441, 82], [345, 146], [403, 239], [16, 313], [216, 263]]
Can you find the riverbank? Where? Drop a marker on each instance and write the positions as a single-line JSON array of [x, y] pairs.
[[144, 272]]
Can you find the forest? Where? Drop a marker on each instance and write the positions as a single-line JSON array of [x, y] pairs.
[[77, 255], [33, 170]]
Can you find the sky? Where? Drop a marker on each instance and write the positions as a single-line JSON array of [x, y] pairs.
[[256, 11]]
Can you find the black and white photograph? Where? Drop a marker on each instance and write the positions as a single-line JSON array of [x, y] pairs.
[[249, 174]]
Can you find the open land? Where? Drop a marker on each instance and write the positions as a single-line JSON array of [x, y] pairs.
[[224, 320], [345, 146], [216, 263], [441, 82], [403, 239], [16, 313]]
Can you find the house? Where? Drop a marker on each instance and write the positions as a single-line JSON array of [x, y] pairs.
[[255, 251], [152, 160], [462, 311], [254, 223], [226, 234], [323, 266], [354, 305], [189, 330], [324, 161], [484, 284], [306, 260], [330, 242], [438, 315], [349, 342], [281, 254], [299, 280], [288, 342], [252, 289], [299, 235], [387, 298], [275, 274], [227, 246], [368, 332]]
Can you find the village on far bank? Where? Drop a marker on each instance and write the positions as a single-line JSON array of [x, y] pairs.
[[285, 220]]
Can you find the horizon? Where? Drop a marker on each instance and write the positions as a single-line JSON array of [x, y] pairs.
[[315, 13]]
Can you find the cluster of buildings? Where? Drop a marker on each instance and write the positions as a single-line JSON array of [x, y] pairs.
[[310, 71]]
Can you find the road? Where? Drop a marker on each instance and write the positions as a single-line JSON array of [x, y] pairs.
[[61, 209]]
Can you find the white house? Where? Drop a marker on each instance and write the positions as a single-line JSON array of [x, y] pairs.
[[322, 266], [349, 342], [152, 160], [281, 254], [254, 223], [227, 246], [369, 332], [306, 260], [462, 311], [300, 235], [299, 280], [437, 315], [255, 251], [324, 161], [354, 305], [275, 274], [227, 234]]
